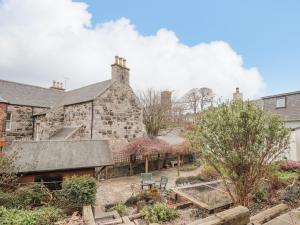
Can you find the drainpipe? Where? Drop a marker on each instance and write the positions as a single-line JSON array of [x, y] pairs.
[[92, 120], [33, 121]]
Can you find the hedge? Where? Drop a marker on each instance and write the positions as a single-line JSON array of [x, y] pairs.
[[79, 191]]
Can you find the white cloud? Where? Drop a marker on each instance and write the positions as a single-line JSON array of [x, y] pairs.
[[52, 39]]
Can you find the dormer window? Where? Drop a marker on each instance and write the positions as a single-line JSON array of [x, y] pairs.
[[281, 102], [8, 121]]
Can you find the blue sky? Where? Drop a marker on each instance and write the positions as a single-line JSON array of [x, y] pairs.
[[266, 33]]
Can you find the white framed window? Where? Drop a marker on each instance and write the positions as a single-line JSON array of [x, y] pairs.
[[8, 120], [281, 102]]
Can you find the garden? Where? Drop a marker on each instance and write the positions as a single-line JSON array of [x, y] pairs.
[[170, 207], [35, 204], [242, 152]]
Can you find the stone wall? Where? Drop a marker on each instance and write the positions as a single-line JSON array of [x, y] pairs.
[[48, 124], [3, 108], [22, 122], [117, 114], [79, 115]]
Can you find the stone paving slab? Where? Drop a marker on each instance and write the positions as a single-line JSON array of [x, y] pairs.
[[290, 218]]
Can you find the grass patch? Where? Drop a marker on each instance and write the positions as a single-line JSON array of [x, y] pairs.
[[287, 175]]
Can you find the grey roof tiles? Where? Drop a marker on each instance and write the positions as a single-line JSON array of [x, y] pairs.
[[42, 156], [24, 94]]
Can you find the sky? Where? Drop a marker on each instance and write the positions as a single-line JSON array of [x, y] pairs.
[[175, 45]]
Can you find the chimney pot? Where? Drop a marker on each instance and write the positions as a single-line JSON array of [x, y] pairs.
[[121, 61], [237, 90], [116, 59], [124, 62]]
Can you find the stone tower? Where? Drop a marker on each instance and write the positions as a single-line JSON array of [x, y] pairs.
[[166, 101], [237, 95], [119, 71]]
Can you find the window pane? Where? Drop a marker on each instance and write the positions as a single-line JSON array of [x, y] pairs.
[[280, 102], [8, 121], [8, 116], [8, 125]]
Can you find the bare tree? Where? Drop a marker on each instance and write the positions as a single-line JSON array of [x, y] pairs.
[[153, 112], [197, 98]]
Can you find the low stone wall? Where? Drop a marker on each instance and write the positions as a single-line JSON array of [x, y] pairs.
[[236, 216]]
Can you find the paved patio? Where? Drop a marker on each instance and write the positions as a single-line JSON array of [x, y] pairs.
[[119, 189]]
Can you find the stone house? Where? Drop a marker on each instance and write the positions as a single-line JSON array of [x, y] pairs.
[[105, 110]]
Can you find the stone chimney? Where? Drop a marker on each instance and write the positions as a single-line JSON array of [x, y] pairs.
[[237, 95], [119, 70], [57, 85], [166, 101]]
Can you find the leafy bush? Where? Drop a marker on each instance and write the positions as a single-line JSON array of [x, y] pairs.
[[132, 200], [26, 197], [40, 216], [159, 213], [287, 176], [276, 181], [120, 208], [79, 191], [290, 165], [208, 173], [260, 195], [142, 196]]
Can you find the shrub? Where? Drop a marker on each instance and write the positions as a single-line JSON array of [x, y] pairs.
[[208, 173], [287, 176], [290, 165], [132, 200], [276, 182], [26, 197], [79, 191], [40, 216], [260, 195], [159, 213], [142, 196], [241, 141], [120, 208]]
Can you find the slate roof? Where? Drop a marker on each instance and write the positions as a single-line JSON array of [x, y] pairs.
[[282, 94], [24, 94], [64, 133], [84, 94], [2, 100], [42, 156]]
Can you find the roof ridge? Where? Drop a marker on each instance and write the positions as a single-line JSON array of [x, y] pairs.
[[30, 85], [88, 85]]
